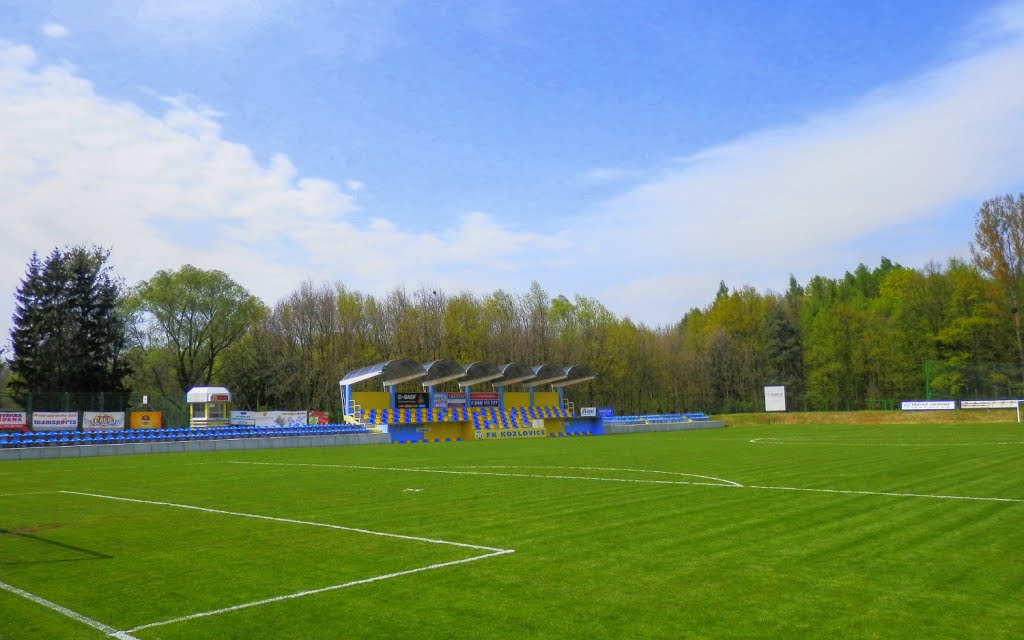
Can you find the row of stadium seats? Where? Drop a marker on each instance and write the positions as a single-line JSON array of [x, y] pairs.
[[502, 421], [423, 440], [415, 416], [136, 436], [656, 418], [462, 414]]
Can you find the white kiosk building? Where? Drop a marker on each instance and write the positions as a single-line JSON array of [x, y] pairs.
[[208, 407]]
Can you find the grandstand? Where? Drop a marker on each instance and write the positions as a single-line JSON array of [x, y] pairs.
[[431, 415]]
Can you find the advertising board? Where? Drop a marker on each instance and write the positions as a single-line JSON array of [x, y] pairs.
[[483, 399], [105, 420], [269, 418], [13, 421], [444, 400], [413, 400], [55, 421], [147, 419], [775, 398], [928, 405], [243, 418], [988, 404]]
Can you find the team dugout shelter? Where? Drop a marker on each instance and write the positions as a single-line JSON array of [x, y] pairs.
[[444, 401]]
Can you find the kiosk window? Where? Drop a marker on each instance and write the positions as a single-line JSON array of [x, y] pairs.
[[216, 411], [198, 410]]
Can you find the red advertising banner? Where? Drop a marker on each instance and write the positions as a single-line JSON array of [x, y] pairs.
[[483, 399], [13, 421]]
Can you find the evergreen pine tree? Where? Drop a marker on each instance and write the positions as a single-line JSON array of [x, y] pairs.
[[69, 334]]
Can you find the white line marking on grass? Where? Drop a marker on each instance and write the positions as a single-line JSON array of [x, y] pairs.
[[500, 475], [888, 493], [668, 473], [291, 521], [301, 594], [26, 493], [95, 624], [731, 484], [492, 552], [838, 443]]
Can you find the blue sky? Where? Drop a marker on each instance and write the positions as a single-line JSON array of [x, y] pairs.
[[635, 152]]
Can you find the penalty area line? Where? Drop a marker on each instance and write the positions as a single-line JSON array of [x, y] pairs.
[[310, 592], [95, 624], [492, 552], [292, 521]]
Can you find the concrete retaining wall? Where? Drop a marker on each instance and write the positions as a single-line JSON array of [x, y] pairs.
[[617, 429], [287, 442]]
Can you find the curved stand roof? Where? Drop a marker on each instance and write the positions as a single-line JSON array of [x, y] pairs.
[[393, 372], [440, 371], [546, 374], [512, 373], [433, 373], [478, 372], [576, 374]]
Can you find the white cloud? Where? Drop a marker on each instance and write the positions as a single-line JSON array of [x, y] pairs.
[[54, 30], [167, 190], [771, 202]]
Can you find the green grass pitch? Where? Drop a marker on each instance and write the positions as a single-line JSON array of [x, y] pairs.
[[755, 532]]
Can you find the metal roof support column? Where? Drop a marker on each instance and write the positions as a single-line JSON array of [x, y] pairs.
[[392, 391], [501, 398], [532, 403], [430, 397], [561, 396]]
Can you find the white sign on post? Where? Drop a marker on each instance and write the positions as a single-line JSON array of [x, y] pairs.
[[775, 398]]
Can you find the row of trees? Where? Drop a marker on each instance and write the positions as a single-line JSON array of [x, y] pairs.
[[871, 337]]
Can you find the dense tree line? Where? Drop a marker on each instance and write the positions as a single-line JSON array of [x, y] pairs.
[[860, 341], [867, 339]]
